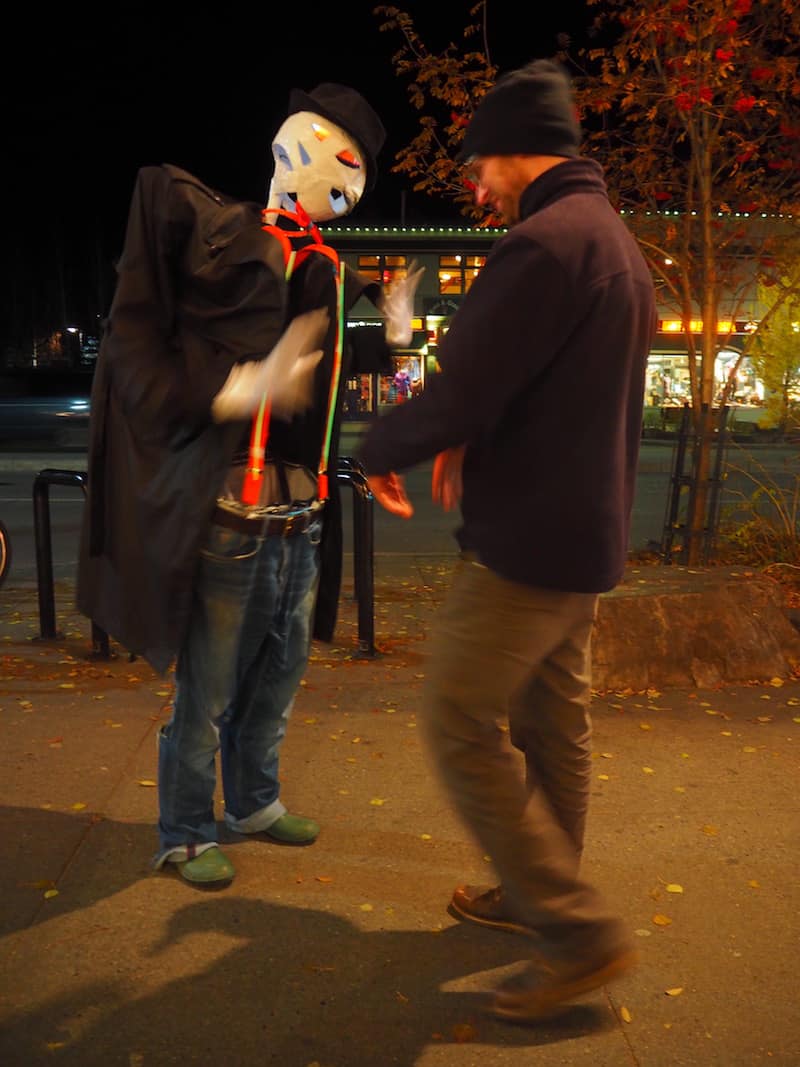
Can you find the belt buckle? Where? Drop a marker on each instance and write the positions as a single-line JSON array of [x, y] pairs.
[[294, 524]]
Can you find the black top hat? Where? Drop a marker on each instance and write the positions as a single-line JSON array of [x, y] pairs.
[[347, 109]]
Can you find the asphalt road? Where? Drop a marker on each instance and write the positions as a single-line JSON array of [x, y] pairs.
[[430, 531]]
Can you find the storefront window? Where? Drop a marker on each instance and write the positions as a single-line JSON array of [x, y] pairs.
[[405, 383], [370, 266], [457, 273], [383, 269], [472, 268], [359, 398]]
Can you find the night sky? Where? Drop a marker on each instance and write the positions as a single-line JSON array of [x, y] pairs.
[[91, 98]]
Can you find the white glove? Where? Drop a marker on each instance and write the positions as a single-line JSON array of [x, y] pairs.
[[397, 306], [286, 376]]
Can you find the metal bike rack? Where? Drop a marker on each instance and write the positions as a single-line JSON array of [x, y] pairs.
[[349, 472], [681, 480], [44, 555]]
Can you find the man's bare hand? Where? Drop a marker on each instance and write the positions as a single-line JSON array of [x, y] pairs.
[[389, 491], [446, 483]]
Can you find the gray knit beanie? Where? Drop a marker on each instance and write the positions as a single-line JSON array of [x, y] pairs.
[[528, 112]]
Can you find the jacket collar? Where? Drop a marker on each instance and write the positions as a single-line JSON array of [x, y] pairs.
[[565, 179]]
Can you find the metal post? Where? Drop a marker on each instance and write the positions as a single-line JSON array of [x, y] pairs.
[[678, 481], [346, 465], [716, 485], [352, 473], [44, 555]]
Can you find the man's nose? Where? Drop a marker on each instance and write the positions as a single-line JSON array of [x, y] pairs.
[[481, 194]]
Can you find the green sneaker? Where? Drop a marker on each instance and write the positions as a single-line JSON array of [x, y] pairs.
[[211, 868], [293, 830]]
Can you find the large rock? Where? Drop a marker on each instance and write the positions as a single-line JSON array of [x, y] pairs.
[[668, 625]]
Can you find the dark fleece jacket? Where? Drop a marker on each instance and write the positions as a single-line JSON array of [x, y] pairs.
[[542, 376]]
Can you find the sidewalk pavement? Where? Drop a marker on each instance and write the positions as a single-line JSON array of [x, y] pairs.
[[343, 954]]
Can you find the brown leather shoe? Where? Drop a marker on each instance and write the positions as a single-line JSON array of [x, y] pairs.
[[487, 907], [537, 994]]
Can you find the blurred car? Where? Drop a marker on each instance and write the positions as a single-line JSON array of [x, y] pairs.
[[44, 408]]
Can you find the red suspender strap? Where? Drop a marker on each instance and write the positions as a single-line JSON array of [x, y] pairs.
[[254, 473]]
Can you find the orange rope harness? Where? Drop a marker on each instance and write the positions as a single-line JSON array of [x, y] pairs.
[[259, 434]]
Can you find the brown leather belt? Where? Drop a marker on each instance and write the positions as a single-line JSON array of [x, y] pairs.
[[267, 525]]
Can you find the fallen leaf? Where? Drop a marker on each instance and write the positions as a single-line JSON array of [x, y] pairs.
[[673, 887], [401, 997], [662, 920], [625, 1015], [324, 878], [711, 831], [464, 1032], [49, 893], [426, 837], [66, 685], [648, 770], [645, 726], [776, 682], [145, 781], [675, 991], [365, 907], [78, 807], [377, 801], [604, 777], [749, 748], [754, 884]]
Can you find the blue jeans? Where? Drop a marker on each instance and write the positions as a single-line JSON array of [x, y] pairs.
[[237, 674]]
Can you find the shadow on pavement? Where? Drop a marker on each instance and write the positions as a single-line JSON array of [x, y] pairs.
[[302, 987]]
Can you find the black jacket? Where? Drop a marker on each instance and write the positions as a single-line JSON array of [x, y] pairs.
[[200, 287], [542, 375]]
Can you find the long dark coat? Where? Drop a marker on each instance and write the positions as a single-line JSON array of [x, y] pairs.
[[201, 287]]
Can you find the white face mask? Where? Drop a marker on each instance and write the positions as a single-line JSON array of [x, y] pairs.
[[318, 165]]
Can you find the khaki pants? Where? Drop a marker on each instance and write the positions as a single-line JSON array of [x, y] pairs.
[[505, 653]]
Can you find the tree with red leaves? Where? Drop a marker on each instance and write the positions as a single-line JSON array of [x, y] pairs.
[[693, 109]]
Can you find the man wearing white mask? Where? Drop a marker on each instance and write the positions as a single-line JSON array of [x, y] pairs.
[[215, 411]]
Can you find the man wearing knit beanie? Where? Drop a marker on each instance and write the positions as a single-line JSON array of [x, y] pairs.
[[535, 422]]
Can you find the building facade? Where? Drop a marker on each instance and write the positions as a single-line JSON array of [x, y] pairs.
[[453, 257]]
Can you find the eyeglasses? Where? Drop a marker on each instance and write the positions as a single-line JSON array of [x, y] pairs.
[[472, 170]]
